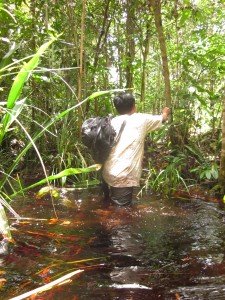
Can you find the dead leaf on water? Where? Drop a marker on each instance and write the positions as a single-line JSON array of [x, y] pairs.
[[2, 282], [53, 221], [177, 296], [66, 222], [46, 271], [92, 239], [24, 222], [102, 212]]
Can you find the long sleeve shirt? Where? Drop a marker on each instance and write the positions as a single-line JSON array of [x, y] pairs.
[[124, 164]]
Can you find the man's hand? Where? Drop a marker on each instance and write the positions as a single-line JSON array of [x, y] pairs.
[[165, 113]]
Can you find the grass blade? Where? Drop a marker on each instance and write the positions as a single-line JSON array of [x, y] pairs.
[[67, 172]]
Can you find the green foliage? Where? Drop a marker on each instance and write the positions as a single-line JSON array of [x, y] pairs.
[[17, 87], [209, 171], [64, 173], [11, 113], [170, 178]]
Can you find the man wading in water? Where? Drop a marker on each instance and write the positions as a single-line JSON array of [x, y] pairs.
[[122, 169]]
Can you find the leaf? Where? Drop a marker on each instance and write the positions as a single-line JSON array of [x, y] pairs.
[[24, 73], [5, 60], [100, 93], [215, 173], [208, 174], [202, 175], [48, 190], [66, 222], [16, 111], [18, 84], [53, 221], [185, 15], [9, 13], [67, 172]]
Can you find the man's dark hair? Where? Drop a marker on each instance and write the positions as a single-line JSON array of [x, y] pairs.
[[124, 103]]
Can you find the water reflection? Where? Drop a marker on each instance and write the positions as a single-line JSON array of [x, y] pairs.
[[158, 249], [207, 232]]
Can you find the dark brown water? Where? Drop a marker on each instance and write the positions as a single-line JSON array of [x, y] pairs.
[[157, 249]]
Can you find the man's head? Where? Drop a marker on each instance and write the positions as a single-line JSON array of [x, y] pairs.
[[124, 103]]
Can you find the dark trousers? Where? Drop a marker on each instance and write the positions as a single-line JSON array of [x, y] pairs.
[[118, 195]]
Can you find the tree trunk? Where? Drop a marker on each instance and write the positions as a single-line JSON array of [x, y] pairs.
[[145, 56], [103, 31], [130, 48], [81, 60], [156, 4], [222, 156], [120, 55], [81, 56], [99, 48]]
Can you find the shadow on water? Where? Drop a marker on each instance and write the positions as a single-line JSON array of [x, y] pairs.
[[156, 249]]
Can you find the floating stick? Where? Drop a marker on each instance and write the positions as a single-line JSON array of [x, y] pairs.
[[47, 286]]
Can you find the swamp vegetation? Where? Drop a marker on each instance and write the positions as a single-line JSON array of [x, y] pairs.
[[62, 62]]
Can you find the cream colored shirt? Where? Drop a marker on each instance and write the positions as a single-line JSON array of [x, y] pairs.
[[124, 164]]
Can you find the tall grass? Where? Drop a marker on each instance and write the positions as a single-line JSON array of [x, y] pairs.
[[11, 110]]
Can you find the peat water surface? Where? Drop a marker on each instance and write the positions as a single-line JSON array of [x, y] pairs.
[[156, 249]]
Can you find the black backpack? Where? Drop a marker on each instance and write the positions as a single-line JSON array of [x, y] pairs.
[[99, 137]]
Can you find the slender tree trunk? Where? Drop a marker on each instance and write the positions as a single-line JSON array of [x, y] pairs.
[[177, 66], [33, 46], [120, 54], [103, 31], [130, 49], [222, 156], [49, 94], [46, 15], [145, 56], [81, 58], [99, 48], [177, 34], [212, 105], [156, 5], [71, 56]]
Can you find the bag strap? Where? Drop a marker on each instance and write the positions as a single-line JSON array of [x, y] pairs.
[[98, 130], [120, 132]]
